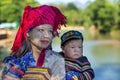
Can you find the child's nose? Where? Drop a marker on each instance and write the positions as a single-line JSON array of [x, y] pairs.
[[77, 49]]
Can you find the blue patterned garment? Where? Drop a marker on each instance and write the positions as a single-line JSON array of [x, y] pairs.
[[78, 69], [72, 75], [18, 66]]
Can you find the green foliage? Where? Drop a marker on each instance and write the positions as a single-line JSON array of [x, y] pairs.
[[73, 17], [71, 6], [11, 10], [3, 53], [102, 15]]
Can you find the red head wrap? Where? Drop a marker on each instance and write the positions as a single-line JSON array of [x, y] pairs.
[[33, 17]]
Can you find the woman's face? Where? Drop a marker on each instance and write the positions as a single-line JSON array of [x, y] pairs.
[[73, 49], [41, 36]]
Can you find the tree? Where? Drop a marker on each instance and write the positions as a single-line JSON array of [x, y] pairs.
[[11, 10], [102, 15], [71, 6]]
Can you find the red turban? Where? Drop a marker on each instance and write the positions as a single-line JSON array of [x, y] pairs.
[[33, 17]]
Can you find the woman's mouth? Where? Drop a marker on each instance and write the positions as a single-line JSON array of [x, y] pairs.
[[45, 41]]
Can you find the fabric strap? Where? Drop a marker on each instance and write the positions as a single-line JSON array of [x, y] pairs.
[[41, 58]]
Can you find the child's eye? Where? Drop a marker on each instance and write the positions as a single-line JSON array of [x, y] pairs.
[[80, 47], [72, 47]]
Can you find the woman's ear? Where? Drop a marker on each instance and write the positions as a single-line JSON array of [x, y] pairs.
[[62, 47], [28, 35]]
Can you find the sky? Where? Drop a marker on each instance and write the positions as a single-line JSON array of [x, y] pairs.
[[62, 1], [78, 3]]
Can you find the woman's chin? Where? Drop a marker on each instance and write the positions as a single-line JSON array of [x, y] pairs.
[[44, 46]]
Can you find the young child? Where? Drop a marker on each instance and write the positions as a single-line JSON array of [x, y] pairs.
[[77, 66]]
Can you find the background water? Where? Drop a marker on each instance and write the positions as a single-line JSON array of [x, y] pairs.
[[104, 56]]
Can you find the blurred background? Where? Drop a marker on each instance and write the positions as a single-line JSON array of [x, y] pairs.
[[98, 20]]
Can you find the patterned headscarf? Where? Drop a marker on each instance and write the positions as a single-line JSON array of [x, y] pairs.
[[33, 17]]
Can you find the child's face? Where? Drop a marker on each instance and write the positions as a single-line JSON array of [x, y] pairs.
[[73, 49]]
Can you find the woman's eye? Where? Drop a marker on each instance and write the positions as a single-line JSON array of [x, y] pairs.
[[40, 29], [51, 31]]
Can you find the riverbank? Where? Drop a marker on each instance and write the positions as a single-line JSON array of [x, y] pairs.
[[73, 28]]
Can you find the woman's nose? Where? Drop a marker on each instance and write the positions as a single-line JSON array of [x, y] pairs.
[[46, 34]]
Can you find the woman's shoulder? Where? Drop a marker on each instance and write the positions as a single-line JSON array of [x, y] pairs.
[[53, 53], [9, 58], [19, 61]]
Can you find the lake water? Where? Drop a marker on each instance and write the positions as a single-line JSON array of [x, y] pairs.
[[104, 56]]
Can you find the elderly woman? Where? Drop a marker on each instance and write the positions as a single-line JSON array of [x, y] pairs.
[[32, 45]]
